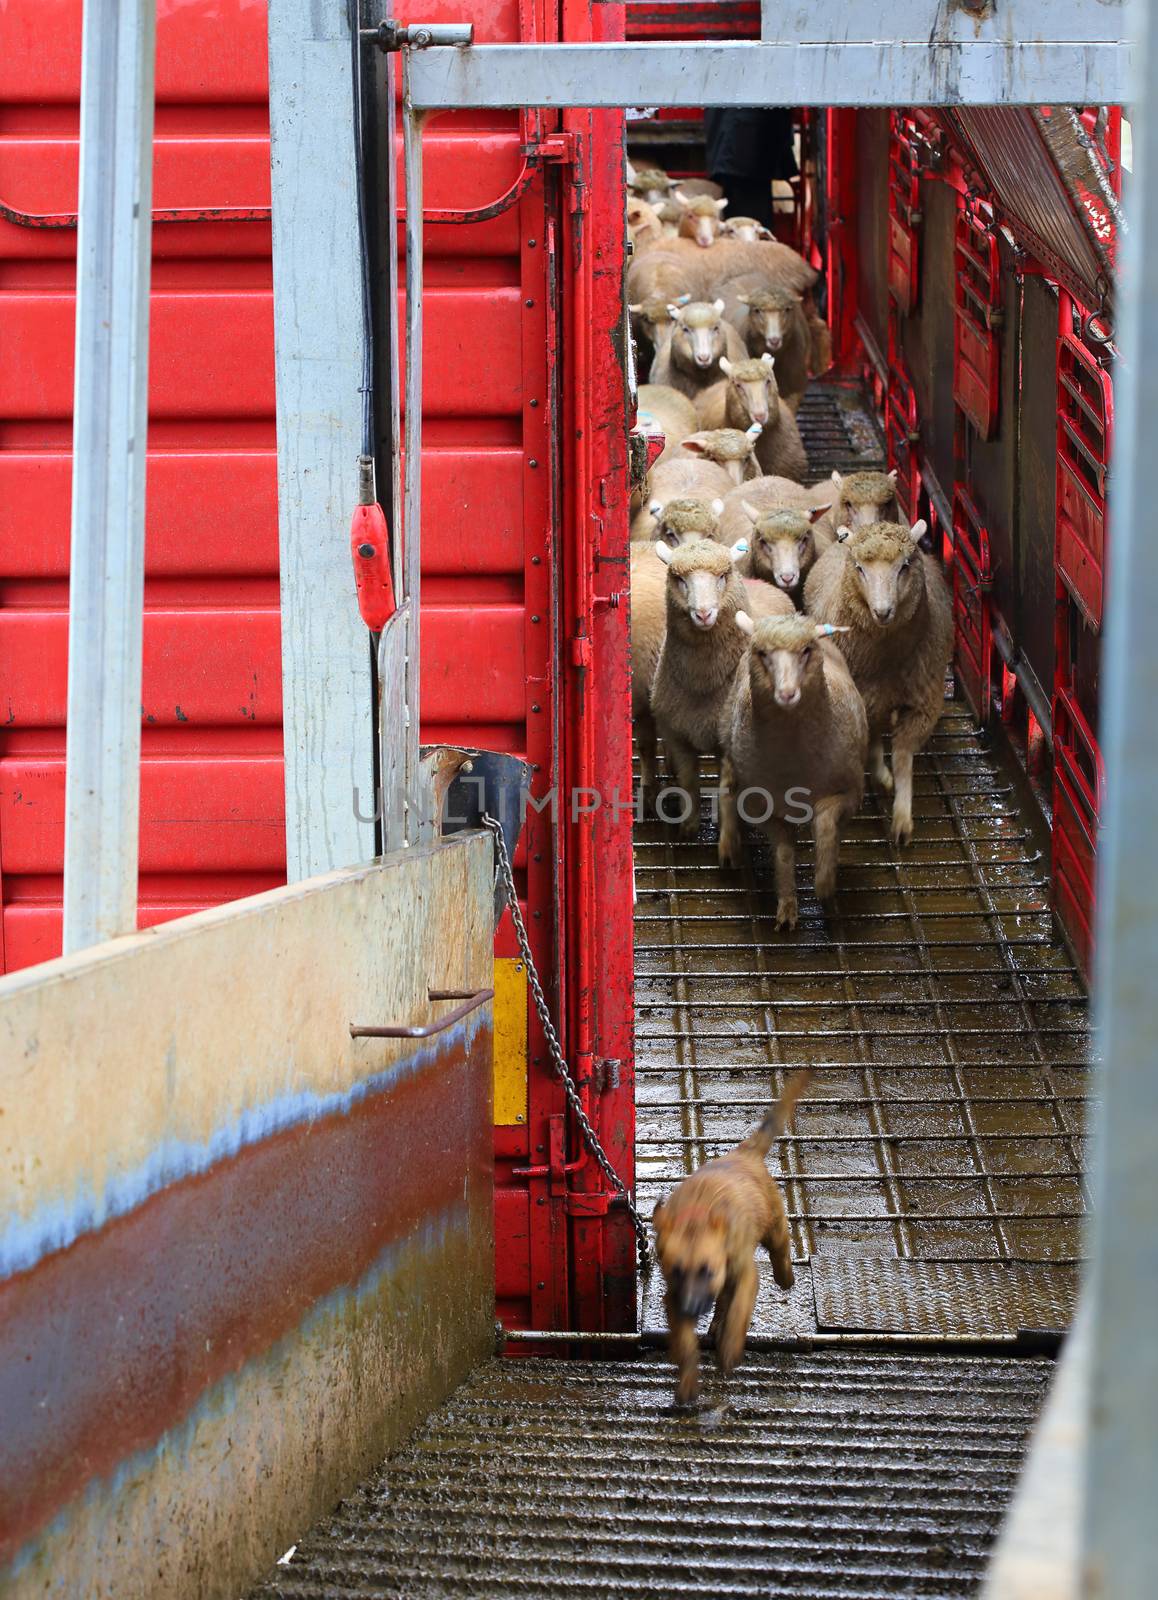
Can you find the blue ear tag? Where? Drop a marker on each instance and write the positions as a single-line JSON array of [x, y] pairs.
[[742, 546]]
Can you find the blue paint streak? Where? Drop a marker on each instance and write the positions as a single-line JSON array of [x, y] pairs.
[[222, 1398], [58, 1223]]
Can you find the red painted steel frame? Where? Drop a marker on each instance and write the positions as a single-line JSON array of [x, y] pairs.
[[973, 629], [977, 317], [1085, 429]]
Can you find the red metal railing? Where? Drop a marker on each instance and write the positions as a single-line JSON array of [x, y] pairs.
[[904, 211], [977, 316], [1085, 426], [973, 628], [1079, 788]]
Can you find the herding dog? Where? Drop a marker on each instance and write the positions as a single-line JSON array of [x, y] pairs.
[[706, 1234]]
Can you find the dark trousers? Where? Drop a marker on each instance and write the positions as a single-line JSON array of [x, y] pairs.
[[747, 197]]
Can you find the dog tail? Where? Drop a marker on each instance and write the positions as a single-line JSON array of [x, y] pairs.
[[780, 1115]]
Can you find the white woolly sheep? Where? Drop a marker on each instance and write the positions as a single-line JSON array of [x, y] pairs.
[[772, 322], [749, 229], [648, 621], [858, 498], [731, 448], [681, 521], [681, 477], [701, 647], [876, 582], [770, 494], [658, 406], [793, 736], [701, 219], [748, 393], [700, 340]]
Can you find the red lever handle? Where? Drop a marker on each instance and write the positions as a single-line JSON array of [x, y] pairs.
[[370, 549]]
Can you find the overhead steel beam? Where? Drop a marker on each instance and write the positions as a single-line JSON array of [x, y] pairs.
[[1121, 1490], [110, 424], [932, 72], [937, 22]]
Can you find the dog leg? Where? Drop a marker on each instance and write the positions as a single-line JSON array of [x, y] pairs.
[[740, 1309], [778, 1243], [684, 1349], [720, 1316]]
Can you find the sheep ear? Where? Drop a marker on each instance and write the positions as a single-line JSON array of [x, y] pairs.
[[655, 507], [684, 199], [745, 623], [843, 533], [893, 475], [636, 311], [695, 445], [768, 360], [721, 205], [725, 366], [739, 549], [663, 552], [750, 511], [718, 307], [674, 310], [836, 478], [743, 300], [819, 511], [918, 531], [717, 508], [755, 431]]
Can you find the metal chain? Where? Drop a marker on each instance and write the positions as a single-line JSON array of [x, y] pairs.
[[570, 1088]]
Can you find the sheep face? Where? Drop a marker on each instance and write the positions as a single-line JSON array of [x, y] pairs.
[[754, 384], [866, 497], [770, 317], [643, 225], [747, 229], [782, 543], [698, 575], [701, 219], [730, 448], [698, 337], [650, 184], [654, 317], [885, 563], [683, 520]]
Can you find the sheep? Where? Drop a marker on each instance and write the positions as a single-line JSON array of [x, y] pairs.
[[649, 183], [687, 188], [767, 494], [793, 730], [682, 520], [701, 647], [683, 477], [859, 498], [661, 271], [773, 321], [651, 325], [749, 229], [701, 220], [731, 448], [781, 546], [748, 393], [892, 597], [644, 225], [700, 340], [739, 265], [648, 621], [670, 411]]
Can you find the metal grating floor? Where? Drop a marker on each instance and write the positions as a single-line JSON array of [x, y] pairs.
[[825, 1476]]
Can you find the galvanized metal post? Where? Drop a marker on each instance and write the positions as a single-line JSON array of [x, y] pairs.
[[107, 575], [412, 516], [327, 683], [1120, 1548]]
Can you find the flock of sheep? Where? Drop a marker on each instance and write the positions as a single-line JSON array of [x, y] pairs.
[[783, 628]]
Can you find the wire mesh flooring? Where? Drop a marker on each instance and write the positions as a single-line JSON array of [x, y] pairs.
[[826, 1476], [935, 1173]]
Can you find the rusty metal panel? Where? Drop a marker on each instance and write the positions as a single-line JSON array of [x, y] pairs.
[[278, 1238]]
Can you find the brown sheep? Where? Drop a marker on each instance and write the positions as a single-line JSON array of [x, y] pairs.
[[644, 226], [748, 393], [660, 271], [701, 647], [876, 581], [691, 358], [858, 498], [690, 187], [670, 411], [793, 734], [770, 494], [738, 265], [749, 229], [649, 183], [681, 521]]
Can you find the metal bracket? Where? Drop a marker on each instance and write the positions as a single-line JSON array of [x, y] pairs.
[[390, 35], [471, 1000]]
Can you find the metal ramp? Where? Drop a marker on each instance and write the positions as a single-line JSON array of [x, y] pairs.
[[824, 1476], [934, 1177]]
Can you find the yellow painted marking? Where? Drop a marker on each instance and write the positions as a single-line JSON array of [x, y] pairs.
[[510, 1012]]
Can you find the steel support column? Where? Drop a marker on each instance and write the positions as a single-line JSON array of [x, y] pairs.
[[107, 575], [1122, 1463]]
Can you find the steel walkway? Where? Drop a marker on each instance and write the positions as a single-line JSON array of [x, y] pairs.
[[822, 1476]]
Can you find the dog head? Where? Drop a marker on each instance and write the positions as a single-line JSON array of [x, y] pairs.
[[692, 1249]]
